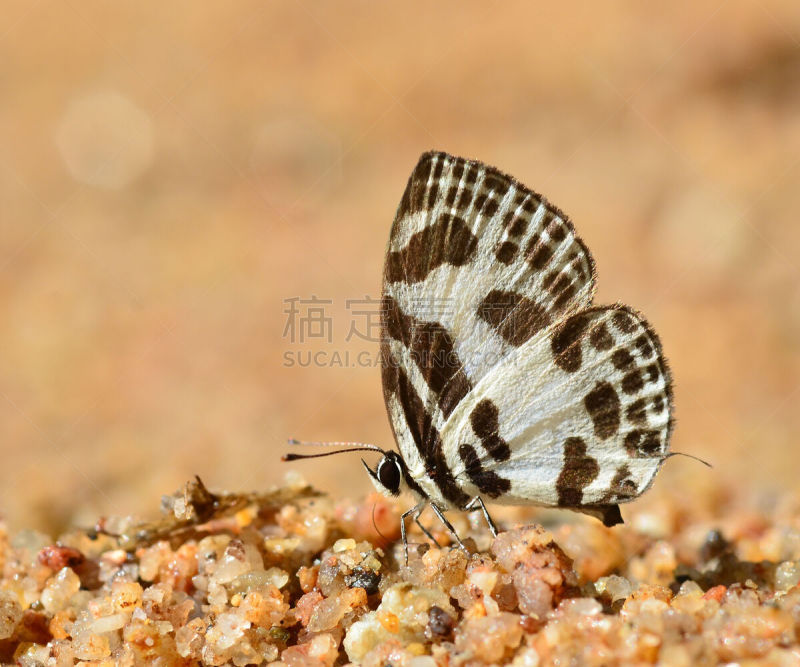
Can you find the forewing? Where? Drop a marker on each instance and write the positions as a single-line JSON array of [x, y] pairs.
[[478, 266], [580, 418]]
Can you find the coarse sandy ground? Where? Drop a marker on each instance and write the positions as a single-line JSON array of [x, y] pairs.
[[294, 577]]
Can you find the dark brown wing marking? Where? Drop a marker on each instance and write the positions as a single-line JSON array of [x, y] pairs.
[[515, 223], [514, 317], [603, 406], [426, 436], [486, 424], [416, 196], [446, 241], [641, 442], [578, 472], [487, 481], [636, 412], [433, 352], [622, 487], [600, 338], [566, 341]]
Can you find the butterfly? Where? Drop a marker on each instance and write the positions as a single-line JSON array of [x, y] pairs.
[[502, 380]]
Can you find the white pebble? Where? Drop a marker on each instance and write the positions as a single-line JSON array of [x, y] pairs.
[[59, 590], [787, 575], [617, 587], [107, 624], [343, 545]]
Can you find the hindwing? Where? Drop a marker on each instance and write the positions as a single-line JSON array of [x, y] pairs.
[[580, 418]]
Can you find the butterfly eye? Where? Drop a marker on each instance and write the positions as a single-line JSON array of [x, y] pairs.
[[389, 474]]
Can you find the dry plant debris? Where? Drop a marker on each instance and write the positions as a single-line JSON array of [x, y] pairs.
[[293, 577]]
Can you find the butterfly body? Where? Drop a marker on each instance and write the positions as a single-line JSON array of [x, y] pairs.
[[502, 381]]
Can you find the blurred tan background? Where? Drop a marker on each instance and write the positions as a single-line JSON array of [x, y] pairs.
[[173, 175]]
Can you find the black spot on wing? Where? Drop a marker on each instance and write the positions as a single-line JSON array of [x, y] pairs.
[[636, 412], [603, 406], [486, 425], [579, 470], [539, 255], [448, 240], [566, 342], [632, 382], [642, 443], [506, 252], [514, 317], [600, 338], [433, 351], [487, 481], [624, 322], [622, 359]]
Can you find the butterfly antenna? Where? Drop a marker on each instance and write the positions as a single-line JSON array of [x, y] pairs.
[[343, 447], [691, 456]]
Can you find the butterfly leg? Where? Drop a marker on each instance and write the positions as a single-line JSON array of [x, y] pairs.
[[424, 529], [448, 525], [418, 509], [477, 503]]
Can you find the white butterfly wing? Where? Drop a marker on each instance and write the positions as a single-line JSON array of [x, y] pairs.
[[577, 418], [471, 248], [481, 273]]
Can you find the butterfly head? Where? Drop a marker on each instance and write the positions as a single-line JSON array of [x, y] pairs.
[[388, 476]]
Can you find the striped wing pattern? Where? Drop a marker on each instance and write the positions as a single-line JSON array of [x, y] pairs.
[[500, 378]]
